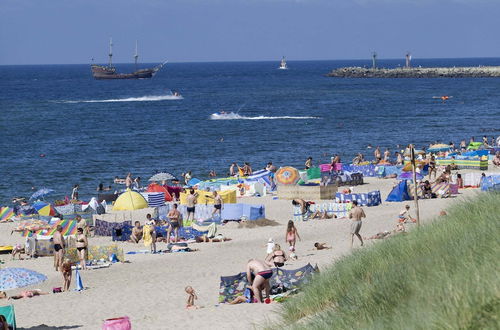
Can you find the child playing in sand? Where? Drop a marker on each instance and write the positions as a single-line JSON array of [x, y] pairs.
[[18, 249], [66, 272], [291, 234], [321, 246], [191, 298]]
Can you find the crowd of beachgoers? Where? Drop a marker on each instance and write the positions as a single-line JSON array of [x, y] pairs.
[[278, 253]]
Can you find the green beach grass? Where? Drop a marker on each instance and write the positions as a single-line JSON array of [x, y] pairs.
[[444, 275]]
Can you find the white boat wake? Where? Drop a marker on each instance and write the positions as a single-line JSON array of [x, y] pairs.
[[235, 116], [150, 98]]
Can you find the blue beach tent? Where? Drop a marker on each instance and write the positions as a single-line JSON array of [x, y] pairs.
[[399, 193]]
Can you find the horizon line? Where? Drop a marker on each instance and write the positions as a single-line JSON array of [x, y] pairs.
[[261, 61]]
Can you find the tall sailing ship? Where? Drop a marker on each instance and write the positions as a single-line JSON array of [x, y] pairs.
[[109, 71]]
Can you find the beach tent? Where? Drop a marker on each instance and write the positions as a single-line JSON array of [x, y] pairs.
[[130, 200], [474, 145], [399, 193], [154, 187], [234, 286]]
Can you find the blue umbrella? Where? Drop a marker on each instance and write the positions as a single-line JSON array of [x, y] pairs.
[[41, 193], [12, 278], [409, 176]]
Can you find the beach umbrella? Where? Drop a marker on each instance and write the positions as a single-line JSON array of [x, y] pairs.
[[44, 209], [6, 213], [13, 278], [162, 176], [287, 175], [439, 147], [41, 193], [409, 176]]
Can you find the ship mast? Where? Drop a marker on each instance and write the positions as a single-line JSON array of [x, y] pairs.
[[110, 52], [136, 56]]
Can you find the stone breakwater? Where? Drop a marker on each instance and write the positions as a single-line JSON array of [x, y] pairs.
[[454, 72]]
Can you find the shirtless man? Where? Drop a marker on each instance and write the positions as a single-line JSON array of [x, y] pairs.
[[377, 154], [258, 275], [191, 201], [232, 169], [218, 202], [136, 233], [175, 222], [58, 248], [356, 214], [129, 181]]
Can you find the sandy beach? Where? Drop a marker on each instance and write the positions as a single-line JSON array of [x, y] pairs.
[[150, 288]]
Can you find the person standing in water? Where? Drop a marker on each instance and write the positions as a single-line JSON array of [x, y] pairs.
[[74, 192], [356, 214], [309, 163]]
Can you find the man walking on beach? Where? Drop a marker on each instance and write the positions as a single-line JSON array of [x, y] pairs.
[[217, 204], [58, 248], [356, 214], [191, 201], [258, 275]]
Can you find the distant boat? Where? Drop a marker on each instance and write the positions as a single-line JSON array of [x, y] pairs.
[[109, 71], [283, 65]]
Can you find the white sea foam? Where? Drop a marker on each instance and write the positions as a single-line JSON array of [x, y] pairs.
[[235, 116], [150, 98]]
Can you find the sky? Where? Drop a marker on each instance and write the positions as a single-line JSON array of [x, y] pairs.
[[75, 31]]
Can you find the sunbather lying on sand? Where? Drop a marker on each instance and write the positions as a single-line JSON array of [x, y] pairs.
[[322, 215], [400, 228], [321, 246], [26, 294], [247, 297]]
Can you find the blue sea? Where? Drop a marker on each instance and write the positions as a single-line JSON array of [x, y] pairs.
[[61, 127]]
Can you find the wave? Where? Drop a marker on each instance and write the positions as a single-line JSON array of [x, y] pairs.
[[150, 98], [235, 116]]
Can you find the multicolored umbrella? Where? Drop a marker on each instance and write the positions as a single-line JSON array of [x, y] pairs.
[[44, 209], [439, 147], [41, 193], [287, 175], [409, 176], [13, 278], [68, 228], [6, 213], [162, 176]]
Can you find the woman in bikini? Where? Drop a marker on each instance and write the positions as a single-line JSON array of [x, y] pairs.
[[291, 234], [432, 167], [81, 247], [277, 258], [66, 272]]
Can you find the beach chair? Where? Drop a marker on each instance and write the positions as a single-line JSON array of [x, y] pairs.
[[10, 316]]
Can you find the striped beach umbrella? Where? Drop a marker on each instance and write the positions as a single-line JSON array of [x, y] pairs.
[[6, 213], [44, 209], [287, 175], [68, 228]]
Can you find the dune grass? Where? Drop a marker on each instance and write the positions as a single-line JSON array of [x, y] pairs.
[[444, 275]]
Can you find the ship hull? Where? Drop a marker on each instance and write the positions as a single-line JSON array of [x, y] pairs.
[[104, 73]]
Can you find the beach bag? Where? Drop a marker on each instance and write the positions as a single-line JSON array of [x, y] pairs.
[[119, 323]]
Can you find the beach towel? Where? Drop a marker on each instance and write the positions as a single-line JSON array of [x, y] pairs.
[[233, 286], [146, 235]]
